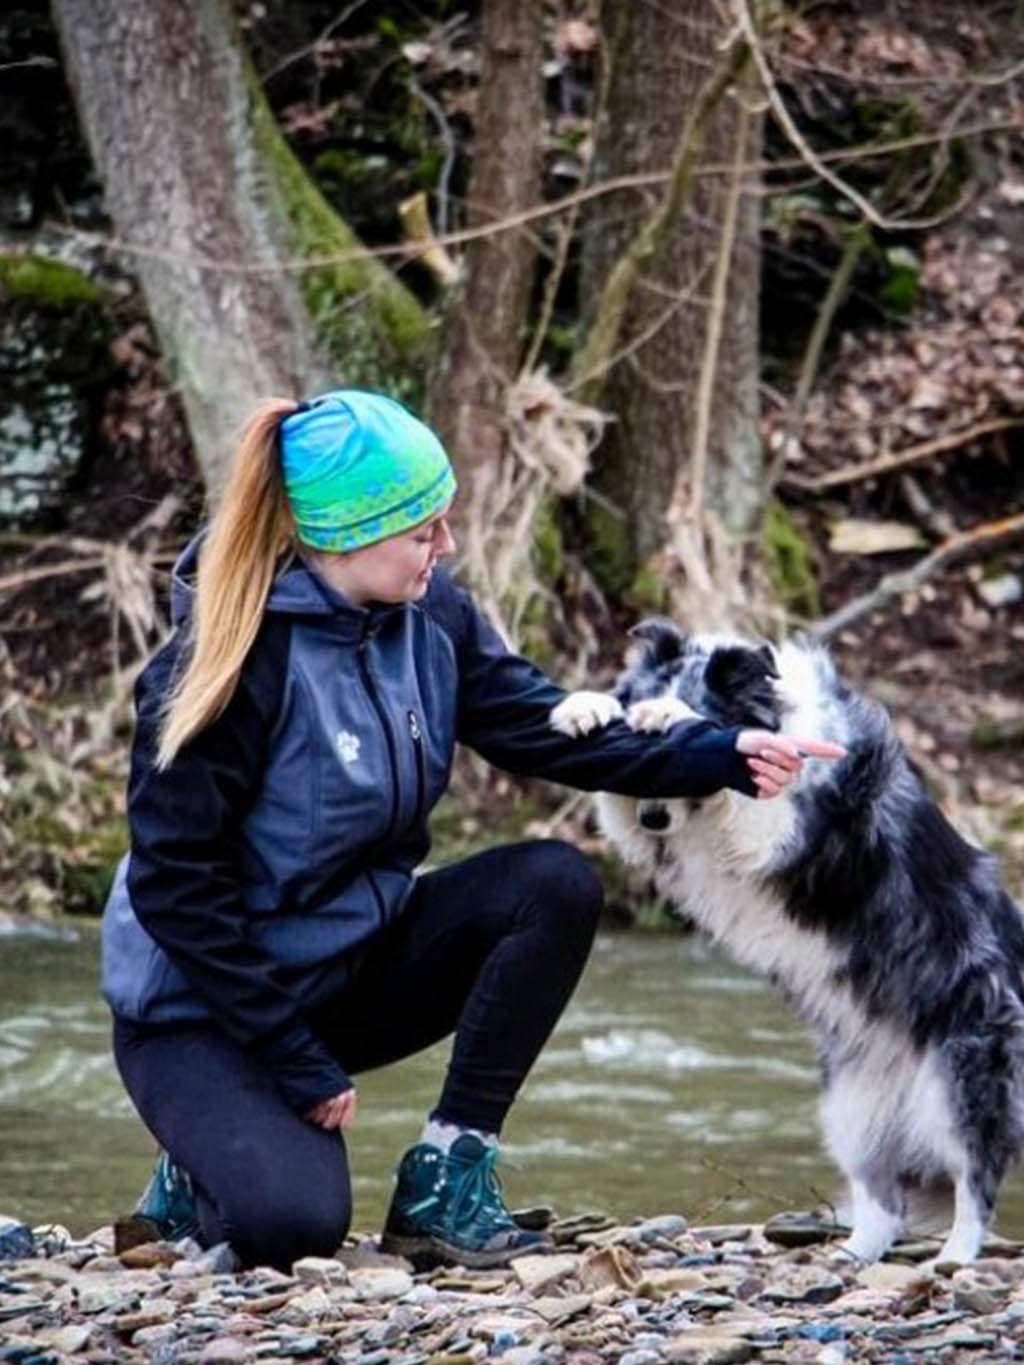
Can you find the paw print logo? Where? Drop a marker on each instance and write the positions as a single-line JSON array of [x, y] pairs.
[[348, 746]]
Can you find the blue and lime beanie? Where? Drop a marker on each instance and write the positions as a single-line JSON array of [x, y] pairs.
[[359, 467]]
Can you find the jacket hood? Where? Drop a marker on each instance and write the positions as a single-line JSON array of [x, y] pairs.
[[296, 591]]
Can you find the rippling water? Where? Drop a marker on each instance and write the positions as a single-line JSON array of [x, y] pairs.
[[675, 1083]]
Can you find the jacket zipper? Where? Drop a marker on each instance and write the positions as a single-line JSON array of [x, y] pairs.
[[421, 766], [371, 692]]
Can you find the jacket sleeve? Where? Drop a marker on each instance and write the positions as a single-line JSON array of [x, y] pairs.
[[183, 874], [505, 703]]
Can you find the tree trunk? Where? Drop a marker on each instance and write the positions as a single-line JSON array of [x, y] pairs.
[[484, 343], [198, 179], [659, 60]]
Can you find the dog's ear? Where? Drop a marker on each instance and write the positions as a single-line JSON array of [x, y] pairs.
[[662, 639], [767, 654]]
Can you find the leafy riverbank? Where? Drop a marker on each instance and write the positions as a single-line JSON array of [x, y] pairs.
[[649, 1293]]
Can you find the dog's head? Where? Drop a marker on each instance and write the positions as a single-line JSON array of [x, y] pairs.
[[731, 682], [728, 681]]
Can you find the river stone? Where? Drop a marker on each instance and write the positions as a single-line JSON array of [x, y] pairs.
[[890, 1277], [609, 1266], [678, 1280], [377, 1285], [324, 1270], [664, 1227], [102, 1295], [16, 1239], [148, 1256], [804, 1284], [537, 1273], [223, 1351], [558, 1308], [720, 1234], [309, 1307], [68, 1340], [706, 1348]]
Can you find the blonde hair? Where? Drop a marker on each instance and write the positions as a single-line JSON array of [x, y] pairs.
[[251, 528]]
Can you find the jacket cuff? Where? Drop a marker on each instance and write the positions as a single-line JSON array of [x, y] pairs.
[[302, 1068], [740, 777]]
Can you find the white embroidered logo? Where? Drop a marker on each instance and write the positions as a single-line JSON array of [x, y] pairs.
[[348, 746]]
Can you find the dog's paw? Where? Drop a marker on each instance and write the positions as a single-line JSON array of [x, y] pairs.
[[582, 712], [659, 713]]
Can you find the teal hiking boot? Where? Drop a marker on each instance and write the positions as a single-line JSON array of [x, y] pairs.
[[448, 1209], [169, 1202]]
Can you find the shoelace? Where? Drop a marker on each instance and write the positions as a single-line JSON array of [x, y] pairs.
[[477, 1194]]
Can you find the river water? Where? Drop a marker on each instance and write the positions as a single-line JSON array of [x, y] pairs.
[[674, 1083]]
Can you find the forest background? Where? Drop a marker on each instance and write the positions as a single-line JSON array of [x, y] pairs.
[[716, 303]]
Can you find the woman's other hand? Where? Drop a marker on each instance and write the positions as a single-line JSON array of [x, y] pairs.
[[337, 1113], [775, 760]]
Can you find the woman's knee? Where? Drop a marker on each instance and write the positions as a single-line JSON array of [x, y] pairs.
[[563, 879], [276, 1221]]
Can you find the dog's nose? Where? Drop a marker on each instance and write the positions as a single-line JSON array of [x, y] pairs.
[[654, 818]]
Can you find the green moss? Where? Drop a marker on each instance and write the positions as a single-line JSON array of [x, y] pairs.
[[373, 328], [789, 563], [79, 865], [608, 549], [647, 593], [46, 283]]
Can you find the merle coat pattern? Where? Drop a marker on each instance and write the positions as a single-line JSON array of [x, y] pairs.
[[891, 935]]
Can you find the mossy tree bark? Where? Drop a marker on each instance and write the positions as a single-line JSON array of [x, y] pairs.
[[484, 341], [661, 67], [218, 213]]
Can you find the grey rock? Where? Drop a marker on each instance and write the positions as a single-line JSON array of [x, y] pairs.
[[224, 1351], [665, 1226]]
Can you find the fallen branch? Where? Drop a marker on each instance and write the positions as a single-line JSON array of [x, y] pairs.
[[990, 535], [886, 464], [65, 567]]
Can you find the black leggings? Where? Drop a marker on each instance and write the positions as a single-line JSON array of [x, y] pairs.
[[490, 948]]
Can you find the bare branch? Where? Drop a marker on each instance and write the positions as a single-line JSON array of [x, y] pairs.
[[745, 20], [886, 464], [982, 539]]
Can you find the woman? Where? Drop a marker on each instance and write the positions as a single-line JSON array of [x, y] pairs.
[[265, 939]]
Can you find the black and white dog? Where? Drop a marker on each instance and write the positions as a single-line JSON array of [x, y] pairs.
[[893, 937]]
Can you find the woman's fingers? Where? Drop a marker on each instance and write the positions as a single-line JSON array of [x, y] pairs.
[[819, 748], [336, 1113]]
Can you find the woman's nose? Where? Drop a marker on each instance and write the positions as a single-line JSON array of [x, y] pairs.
[[446, 545]]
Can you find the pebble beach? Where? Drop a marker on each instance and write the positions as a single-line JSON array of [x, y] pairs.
[[654, 1292]]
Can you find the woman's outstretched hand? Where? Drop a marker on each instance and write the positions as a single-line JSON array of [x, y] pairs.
[[775, 760], [337, 1113]]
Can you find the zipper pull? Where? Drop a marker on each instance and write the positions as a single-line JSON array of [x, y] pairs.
[[414, 728]]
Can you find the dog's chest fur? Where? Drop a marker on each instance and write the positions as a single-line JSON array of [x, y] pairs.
[[713, 866]]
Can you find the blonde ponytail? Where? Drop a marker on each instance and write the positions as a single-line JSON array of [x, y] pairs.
[[251, 528]]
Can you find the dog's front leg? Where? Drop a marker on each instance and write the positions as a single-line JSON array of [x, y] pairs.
[[875, 1227], [659, 713]]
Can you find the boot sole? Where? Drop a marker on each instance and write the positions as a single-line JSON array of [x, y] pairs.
[[427, 1252]]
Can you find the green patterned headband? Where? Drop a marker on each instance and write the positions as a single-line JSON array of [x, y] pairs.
[[359, 467]]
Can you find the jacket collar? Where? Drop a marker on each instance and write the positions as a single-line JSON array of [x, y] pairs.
[[297, 590]]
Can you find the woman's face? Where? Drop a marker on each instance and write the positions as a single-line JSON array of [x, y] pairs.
[[394, 570]]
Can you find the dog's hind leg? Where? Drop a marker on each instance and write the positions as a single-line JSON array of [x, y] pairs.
[[877, 1217]]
